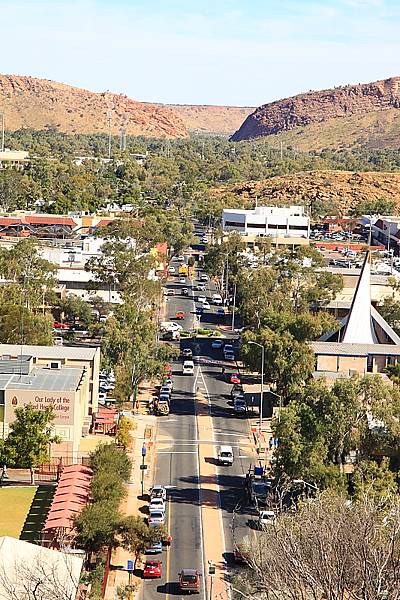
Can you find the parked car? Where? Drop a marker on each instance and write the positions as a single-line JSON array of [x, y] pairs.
[[155, 548], [182, 279], [152, 569], [203, 277], [239, 406], [266, 518], [199, 310], [228, 355], [187, 353], [237, 391], [201, 287], [234, 378], [157, 504], [189, 581], [167, 382], [169, 292], [206, 305], [158, 491], [180, 315], [185, 291], [217, 344], [220, 312], [201, 299], [171, 270], [156, 517], [58, 325], [165, 390], [217, 299]]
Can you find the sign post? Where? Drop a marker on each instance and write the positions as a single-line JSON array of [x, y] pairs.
[[143, 467], [130, 570]]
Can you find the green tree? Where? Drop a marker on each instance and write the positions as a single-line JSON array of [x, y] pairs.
[[28, 443], [112, 459], [76, 309], [19, 325], [125, 426], [373, 480], [97, 526], [107, 486], [136, 535]]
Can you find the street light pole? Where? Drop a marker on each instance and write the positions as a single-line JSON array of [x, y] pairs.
[[262, 380]]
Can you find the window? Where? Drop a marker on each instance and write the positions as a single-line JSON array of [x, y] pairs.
[[299, 227], [256, 225], [370, 363], [234, 224], [275, 226]]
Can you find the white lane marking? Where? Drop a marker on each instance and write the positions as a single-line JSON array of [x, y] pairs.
[[221, 523], [199, 487]]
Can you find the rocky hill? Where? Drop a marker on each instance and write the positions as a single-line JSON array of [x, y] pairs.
[[211, 120], [40, 104], [328, 106], [326, 192]]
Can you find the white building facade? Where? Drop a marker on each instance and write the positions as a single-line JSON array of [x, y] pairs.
[[274, 221]]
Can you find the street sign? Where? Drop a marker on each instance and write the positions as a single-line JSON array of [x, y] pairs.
[[143, 467], [130, 566], [144, 450]]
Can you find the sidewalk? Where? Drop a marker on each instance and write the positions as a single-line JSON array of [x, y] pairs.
[[144, 433]]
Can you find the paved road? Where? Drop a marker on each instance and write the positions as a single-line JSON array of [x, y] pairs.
[[177, 452]]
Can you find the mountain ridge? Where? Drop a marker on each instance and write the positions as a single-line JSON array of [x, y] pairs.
[[314, 107]]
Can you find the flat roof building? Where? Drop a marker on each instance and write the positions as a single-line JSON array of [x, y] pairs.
[[273, 221]]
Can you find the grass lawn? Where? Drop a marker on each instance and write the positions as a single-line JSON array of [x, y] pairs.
[[15, 503]]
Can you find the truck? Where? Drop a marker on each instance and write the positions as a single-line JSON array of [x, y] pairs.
[[259, 487]]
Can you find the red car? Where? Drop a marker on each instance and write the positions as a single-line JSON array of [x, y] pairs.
[[152, 569], [234, 378], [180, 315], [189, 581], [57, 325]]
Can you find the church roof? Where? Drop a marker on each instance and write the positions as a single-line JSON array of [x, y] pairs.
[[359, 328]]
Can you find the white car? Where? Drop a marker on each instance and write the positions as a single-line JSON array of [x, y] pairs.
[[206, 305], [182, 279], [156, 504], [188, 367], [217, 344], [158, 491], [171, 270], [156, 517], [203, 277], [201, 299], [228, 348], [266, 518]]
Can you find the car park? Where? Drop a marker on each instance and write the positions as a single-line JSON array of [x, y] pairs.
[[187, 353], [156, 517], [158, 491], [152, 569], [189, 581], [217, 344], [179, 315]]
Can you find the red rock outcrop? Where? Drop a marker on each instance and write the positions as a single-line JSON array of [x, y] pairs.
[[317, 107], [28, 102]]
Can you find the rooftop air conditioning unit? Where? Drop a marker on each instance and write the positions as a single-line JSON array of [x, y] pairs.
[[55, 364]]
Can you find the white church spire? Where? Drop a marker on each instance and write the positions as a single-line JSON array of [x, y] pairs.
[[359, 328]]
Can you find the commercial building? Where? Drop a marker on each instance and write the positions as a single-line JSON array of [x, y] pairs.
[[66, 378], [13, 158], [363, 343], [273, 221]]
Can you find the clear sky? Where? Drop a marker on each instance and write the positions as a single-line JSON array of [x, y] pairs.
[[235, 52]]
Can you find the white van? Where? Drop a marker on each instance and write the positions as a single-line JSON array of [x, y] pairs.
[[217, 299], [225, 455], [188, 367]]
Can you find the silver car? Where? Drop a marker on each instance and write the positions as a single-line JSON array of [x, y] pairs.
[[156, 517]]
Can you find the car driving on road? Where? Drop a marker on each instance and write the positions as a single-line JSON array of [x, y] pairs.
[[187, 353], [217, 344], [189, 581], [152, 569]]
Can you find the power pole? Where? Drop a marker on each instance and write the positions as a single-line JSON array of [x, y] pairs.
[[122, 139]]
